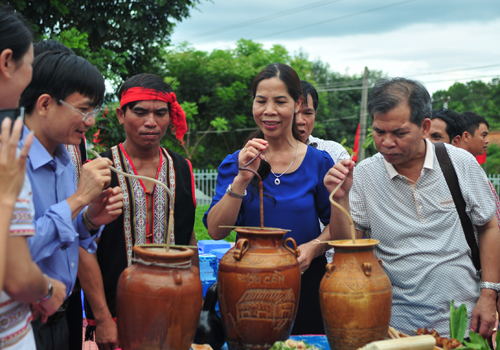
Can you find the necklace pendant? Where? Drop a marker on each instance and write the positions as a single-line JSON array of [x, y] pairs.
[[277, 181]]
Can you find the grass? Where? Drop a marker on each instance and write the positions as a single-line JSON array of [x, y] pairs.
[[199, 229]]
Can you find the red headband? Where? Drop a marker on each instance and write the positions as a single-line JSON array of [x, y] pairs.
[[177, 115]]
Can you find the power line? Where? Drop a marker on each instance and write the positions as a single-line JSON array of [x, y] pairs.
[[457, 70], [337, 19], [492, 76], [263, 19]]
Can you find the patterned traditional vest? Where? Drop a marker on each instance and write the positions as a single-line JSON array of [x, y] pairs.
[[135, 204]]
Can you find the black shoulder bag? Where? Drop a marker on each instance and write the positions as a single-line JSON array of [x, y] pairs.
[[452, 180]]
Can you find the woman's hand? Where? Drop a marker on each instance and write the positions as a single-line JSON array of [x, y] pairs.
[[249, 152], [12, 167], [308, 252]]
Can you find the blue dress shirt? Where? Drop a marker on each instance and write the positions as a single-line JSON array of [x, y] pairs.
[[57, 237]]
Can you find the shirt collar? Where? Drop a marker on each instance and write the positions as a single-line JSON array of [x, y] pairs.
[[313, 141], [38, 155], [428, 161]]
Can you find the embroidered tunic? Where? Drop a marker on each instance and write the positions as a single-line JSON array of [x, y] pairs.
[[114, 252], [15, 316]]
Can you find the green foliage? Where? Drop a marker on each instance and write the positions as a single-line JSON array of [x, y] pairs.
[[128, 35], [458, 326], [477, 342], [492, 165], [458, 321], [477, 96], [369, 143], [110, 131], [201, 231], [219, 84]]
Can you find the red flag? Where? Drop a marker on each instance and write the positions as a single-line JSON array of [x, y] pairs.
[[482, 158], [356, 144]]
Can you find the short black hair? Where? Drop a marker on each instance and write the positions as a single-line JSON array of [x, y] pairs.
[[61, 74], [308, 89], [50, 45], [472, 120], [453, 120], [144, 80], [15, 33], [387, 94]]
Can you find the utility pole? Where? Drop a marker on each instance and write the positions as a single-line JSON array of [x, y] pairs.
[[362, 116], [445, 103]]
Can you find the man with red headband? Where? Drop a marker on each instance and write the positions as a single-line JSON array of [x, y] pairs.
[[147, 107]]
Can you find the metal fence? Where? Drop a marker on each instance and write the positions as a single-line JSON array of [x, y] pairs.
[[206, 179], [204, 182], [495, 180]]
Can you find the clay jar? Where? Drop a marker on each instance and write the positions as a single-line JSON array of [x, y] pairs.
[[159, 299], [259, 288], [355, 296]]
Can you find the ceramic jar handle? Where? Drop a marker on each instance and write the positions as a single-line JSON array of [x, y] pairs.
[[240, 248], [293, 250]]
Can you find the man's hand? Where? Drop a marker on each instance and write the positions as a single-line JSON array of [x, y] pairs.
[[106, 334], [12, 168], [484, 314], [51, 305], [107, 207], [336, 174], [95, 176]]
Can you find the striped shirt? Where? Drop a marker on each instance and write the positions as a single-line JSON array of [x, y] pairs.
[[422, 243]]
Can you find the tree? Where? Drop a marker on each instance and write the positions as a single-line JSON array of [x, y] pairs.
[[214, 89], [218, 84], [127, 35], [482, 98], [477, 96]]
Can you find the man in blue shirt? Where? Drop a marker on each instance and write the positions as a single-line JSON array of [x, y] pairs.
[[61, 102]]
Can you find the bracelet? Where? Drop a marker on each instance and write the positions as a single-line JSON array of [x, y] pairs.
[[317, 240], [88, 225], [235, 195], [490, 285], [51, 290]]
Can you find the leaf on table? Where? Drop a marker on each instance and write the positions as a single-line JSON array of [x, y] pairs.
[[477, 342], [458, 321]]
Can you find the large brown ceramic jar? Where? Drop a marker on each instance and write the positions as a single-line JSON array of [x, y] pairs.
[[259, 288], [355, 296], [159, 300]]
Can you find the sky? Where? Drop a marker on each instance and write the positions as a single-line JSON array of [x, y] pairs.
[[437, 42]]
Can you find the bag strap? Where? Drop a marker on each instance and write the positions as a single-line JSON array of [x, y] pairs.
[[452, 180]]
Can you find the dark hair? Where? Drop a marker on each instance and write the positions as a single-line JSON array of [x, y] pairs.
[[50, 45], [308, 89], [148, 81], [387, 94], [292, 82], [453, 121], [61, 74], [471, 122], [15, 33]]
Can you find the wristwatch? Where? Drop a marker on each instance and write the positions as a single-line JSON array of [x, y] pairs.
[[235, 195], [51, 290], [490, 285]]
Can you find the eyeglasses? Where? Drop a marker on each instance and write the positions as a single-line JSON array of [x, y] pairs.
[[86, 116]]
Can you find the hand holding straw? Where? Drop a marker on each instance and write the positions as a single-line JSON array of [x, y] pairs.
[[351, 223]]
